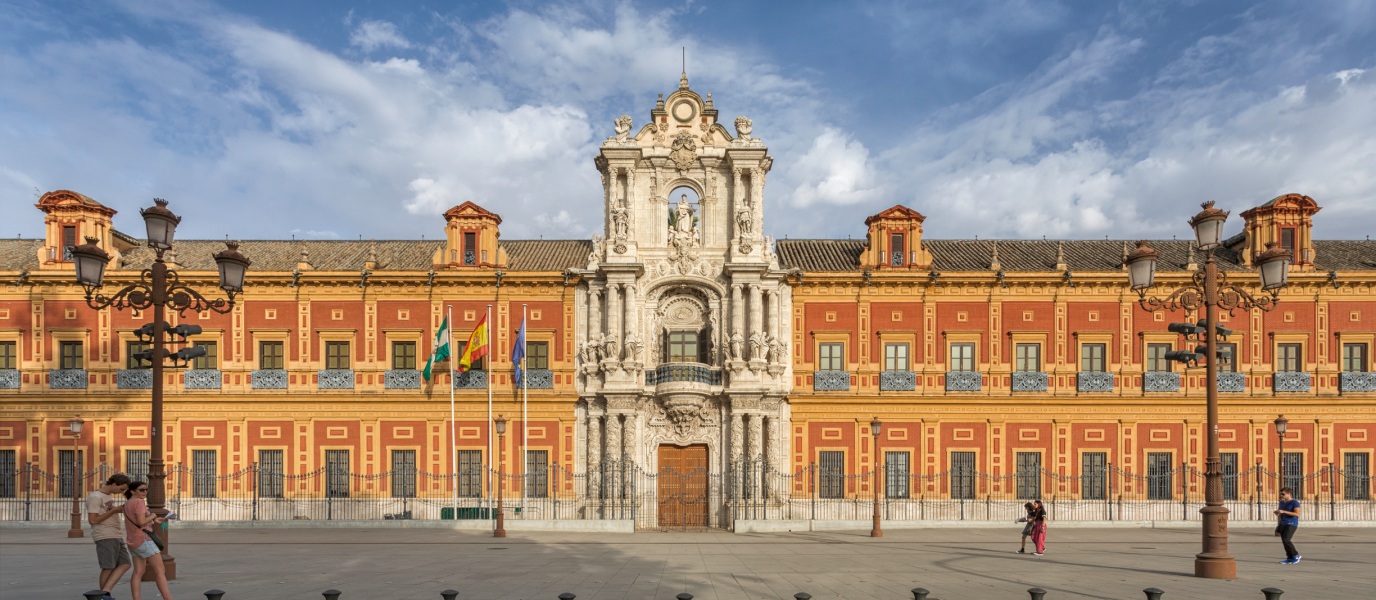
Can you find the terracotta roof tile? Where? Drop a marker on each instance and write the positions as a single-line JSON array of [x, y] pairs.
[[17, 255], [820, 256], [546, 255]]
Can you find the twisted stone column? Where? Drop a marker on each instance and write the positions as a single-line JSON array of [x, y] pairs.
[[756, 436], [737, 438], [594, 454], [613, 447]]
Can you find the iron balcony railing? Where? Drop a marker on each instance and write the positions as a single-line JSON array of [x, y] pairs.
[[683, 372]]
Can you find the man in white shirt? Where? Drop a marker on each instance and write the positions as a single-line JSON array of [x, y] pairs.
[[103, 512]]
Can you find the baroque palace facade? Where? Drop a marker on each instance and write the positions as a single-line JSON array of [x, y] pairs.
[[685, 337]]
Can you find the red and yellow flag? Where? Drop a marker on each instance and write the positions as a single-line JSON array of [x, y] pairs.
[[476, 347]]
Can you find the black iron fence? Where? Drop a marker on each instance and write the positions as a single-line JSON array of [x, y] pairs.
[[680, 499]]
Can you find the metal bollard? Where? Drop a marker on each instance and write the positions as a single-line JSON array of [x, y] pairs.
[[920, 593], [94, 595], [1153, 593], [803, 596], [566, 596], [449, 594], [1037, 593], [331, 594], [214, 595], [684, 596], [1272, 593]]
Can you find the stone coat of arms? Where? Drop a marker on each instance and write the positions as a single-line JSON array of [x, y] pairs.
[[684, 151]]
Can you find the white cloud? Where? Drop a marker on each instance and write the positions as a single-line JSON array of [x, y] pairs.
[[835, 170], [371, 35]]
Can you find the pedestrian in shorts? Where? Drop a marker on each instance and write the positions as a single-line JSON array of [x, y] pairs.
[[103, 513]]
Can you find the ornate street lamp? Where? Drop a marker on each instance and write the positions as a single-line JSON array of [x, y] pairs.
[[875, 427], [1210, 290], [500, 421], [75, 532], [1281, 425], [158, 288]]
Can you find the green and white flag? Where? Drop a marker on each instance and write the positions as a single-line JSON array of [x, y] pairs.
[[441, 352]]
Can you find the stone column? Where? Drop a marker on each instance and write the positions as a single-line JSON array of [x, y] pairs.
[[756, 436], [594, 312], [737, 438], [737, 310], [756, 316], [773, 446], [629, 317], [772, 321], [630, 202], [757, 199], [614, 316], [594, 452], [613, 453], [628, 435]]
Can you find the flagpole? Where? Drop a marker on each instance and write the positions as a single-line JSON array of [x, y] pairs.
[[525, 414], [488, 376], [453, 435]]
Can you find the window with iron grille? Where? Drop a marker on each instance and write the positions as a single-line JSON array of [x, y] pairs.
[[1092, 358], [203, 471], [1159, 475], [403, 356], [403, 473], [136, 464], [896, 474], [1093, 475], [337, 473], [831, 357], [683, 346], [1354, 358], [8, 358], [1294, 473], [1228, 464], [537, 355], [211, 360], [1288, 358], [8, 474], [1156, 358], [73, 355], [271, 356], [470, 248], [896, 250], [1029, 475], [963, 357], [831, 474], [1287, 241], [132, 348], [537, 473], [1228, 350], [336, 355], [1356, 476], [963, 475], [271, 474], [1028, 358], [68, 241], [470, 473], [69, 466], [895, 357]]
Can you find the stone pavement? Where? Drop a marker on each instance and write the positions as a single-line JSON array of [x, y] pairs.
[[952, 563]]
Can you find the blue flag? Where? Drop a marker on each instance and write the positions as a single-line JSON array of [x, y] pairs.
[[518, 351]]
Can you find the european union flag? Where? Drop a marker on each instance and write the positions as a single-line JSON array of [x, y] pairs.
[[518, 351]]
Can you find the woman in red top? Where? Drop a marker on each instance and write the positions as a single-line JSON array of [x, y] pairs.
[[137, 517]]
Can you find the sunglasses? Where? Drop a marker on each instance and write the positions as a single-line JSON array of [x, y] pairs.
[[141, 490]]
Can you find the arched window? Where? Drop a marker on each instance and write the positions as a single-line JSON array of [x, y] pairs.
[[676, 197]]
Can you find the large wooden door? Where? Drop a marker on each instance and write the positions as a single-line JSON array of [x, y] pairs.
[[682, 480]]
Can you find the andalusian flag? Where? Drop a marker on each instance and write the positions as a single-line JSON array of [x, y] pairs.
[[441, 352], [476, 348]]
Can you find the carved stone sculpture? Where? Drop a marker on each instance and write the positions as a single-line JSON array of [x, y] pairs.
[[620, 224], [757, 346], [743, 222], [737, 346], [683, 151], [633, 347], [609, 346], [775, 347], [623, 128], [743, 126]]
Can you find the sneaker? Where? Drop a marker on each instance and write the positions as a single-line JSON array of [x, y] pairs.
[[1037, 553], [1022, 551], [1288, 561], [1296, 560]]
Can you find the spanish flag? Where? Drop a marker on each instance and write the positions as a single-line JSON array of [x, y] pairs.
[[476, 347]]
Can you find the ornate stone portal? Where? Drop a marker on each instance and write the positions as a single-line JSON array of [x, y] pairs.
[[695, 293]]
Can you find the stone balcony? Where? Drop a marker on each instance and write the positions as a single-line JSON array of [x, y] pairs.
[[472, 379], [1232, 382], [336, 379], [401, 379], [536, 379], [9, 379]]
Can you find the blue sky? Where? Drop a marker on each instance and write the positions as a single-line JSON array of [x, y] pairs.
[[997, 119]]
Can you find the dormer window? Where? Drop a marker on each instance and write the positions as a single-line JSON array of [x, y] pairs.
[[68, 241], [896, 250], [1287, 241], [470, 248]]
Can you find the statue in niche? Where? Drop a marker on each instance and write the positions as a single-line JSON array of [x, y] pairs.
[[633, 347], [743, 126], [757, 346], [775, 348], [737, 346], [683, 236], [623, 128], [683, 221], [743, 222], [609, 347], [620, 220]]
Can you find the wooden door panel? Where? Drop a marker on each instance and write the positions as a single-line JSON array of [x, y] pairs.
[[682, 486]]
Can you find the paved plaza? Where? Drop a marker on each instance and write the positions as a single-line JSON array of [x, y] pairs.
[[952, 563]]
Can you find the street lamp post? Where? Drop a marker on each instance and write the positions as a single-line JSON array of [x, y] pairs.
[[500, 422], [875, 427], [1281, 425], [75, 531], [1209, 290], [159, 288]]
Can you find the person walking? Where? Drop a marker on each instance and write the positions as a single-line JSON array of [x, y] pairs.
[[1289, 514], [1026, 529], [103, 514], [144, 549], [1039, 527]]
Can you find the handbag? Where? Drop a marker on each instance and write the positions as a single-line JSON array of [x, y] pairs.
[[157, 542]]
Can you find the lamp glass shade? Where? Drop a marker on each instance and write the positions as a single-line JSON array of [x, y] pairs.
[[76, 424], [232, 275], [160, 230], [1274, 273], [90, 269], [1209, 233], [501, 426], [1142, 273], [876, 427], [1281, 425]]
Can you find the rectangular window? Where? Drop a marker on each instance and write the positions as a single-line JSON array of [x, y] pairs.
[[1159, 475], [1228, 464], [537, 354], [896, 475], [1287, 241], [337, 473], [68, 241], [459, 349], [831, 357], [537, 473], [896, 250], [1029, 475], [963, 357], [1288, 357], [683, 346], [1354, 358], [1092, 358], [1028, 358], [1093, 475], [271, 472], [69, 466], [72, 354], [1294, 472], [471, 473], [895, 357], [470, 248], [9, 358], [211, 360], [403, 473], [336, 355], [132, 362], [136, 464], [271, 355], [9, 474], [1156, 358], [203, 473], [1229, 358], [963, 475], [1356, 475], [831, 474], [403, 356]]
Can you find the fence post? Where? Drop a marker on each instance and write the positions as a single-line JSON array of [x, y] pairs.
[[1184, 494], [1108, 498], [253, 480], [1332, 494], [812, 485], [28, 486]]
